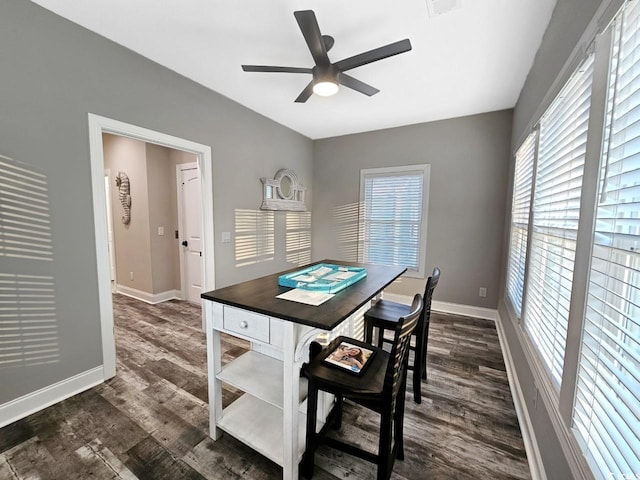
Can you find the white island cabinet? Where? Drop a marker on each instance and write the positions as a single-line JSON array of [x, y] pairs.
[[270, 416]]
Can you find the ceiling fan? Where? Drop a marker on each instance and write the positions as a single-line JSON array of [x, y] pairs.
[[326, 75]]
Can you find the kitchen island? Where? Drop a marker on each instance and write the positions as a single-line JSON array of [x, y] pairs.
[[270, 417]]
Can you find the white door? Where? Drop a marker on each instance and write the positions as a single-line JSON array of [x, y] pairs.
[[191, 232]]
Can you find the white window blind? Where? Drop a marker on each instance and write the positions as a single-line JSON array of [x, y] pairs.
[[606, 413], [393, 228], [521, 204], [556, 211]]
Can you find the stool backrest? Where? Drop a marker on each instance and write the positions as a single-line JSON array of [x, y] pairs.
[[431, 285], [400, 349]]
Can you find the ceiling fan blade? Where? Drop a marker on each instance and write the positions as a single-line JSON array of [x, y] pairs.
[[305, 94], [357, 85], [374, 55], [267, 68], [311, 32]]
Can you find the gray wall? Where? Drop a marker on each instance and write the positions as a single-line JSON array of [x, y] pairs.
[[568, 22], [161, 176], [469, 160], [162, 246], [53, 74]]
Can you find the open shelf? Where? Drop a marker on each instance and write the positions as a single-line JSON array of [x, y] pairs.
[[259, 375], [259, 425]]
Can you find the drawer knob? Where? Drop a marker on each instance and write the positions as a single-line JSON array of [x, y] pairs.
[[244, 324]]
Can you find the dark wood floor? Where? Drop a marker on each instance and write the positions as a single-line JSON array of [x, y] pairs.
[[151, 420]]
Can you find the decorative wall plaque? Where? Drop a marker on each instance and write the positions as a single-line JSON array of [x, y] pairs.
[[283, 192], [122, 182]]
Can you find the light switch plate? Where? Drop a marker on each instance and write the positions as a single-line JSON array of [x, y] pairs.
[[226, 237]]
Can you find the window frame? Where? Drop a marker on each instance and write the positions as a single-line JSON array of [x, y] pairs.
[[424, 171], [531, 141], [556, 235]]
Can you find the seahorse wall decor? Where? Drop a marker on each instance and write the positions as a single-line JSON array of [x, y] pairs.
[[122, 182]]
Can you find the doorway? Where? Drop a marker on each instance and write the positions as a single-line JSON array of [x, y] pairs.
[[97, 126]]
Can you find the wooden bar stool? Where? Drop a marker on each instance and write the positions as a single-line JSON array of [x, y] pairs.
[[384, 316], [379, 387]]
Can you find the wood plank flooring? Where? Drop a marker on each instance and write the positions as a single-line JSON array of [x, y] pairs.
[[151, 420]]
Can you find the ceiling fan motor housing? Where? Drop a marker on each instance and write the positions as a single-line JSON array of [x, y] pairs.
[[325, 73]]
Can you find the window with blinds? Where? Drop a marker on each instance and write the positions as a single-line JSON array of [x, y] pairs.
[[606, 413], [556, 212], [393, 216], [521, 203]]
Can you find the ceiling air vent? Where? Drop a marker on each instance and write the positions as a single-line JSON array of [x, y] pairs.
[[440, 7]]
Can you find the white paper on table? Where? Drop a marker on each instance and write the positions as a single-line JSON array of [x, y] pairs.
[[320, 272], [341, 275], [305, 296], [304, 278]]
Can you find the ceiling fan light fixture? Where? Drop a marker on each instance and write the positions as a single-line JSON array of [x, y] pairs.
[[325, 80], [325, 88]]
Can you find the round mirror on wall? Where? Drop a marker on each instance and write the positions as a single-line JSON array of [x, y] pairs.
[[287, 184]]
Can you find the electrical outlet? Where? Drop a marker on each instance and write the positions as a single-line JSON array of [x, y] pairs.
[[482, 292], [130, 275], [161, 231]]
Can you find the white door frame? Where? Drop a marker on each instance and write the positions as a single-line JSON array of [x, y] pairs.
[[97, 126], [183, 281], [112, 251]]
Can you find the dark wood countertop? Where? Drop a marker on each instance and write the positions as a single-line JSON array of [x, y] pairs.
[[259, 295]]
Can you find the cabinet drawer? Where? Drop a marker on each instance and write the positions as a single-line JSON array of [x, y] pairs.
[[248, 324]]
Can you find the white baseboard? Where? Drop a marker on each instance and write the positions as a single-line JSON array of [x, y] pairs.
[[536, 465], [465, 310], [47, 396], [446, 307], [147, 297]]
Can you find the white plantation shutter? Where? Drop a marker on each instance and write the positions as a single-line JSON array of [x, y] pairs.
[[393, 231], [606, 414], [556, 211], [521, 204]]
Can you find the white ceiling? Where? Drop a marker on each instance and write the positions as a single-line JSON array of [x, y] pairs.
[[471, 60]]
